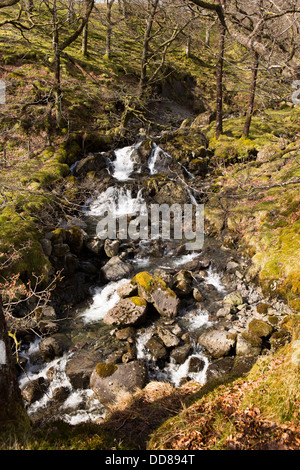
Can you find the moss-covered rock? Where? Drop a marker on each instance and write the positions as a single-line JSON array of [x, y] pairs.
[[154, 290], [260, 328]]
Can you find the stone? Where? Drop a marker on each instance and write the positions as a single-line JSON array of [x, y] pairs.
[[35, 389], [219, 368], [60, 250], [154, 290], [224, 312], [169, 339], [46, 312], [260, 328], [218, 343], [156, 348], [125, 333], [50, 348], [95, 245], [75, 238], [95, 162], [196, 364], [198, 296], [71, 263], [247, 344], [48, 327], [127, 290], [111, 247], [115, 269], [60, 394], [131, 311], [234, 299], [46, 246], [108, 381], [181, 353], [79, 368]]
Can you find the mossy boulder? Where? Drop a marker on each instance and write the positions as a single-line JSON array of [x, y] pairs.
[[155, 291], [109, 381], [248, 344], [234, 299], [260, 328], [131, 311]]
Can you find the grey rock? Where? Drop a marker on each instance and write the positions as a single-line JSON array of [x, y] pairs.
[[131, 311], [115, 269], [218, 343], [108, 382]]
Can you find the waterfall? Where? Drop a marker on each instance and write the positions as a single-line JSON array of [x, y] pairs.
[[116, 200], [124, 163]]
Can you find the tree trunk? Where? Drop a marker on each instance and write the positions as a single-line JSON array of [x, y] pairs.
[[108, 29], [219, 78], [84, 41], [13, 417], [57, 54], [251, 96], [147, 36], [188, 47]]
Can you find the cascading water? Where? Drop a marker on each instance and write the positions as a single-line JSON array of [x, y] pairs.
[[124, 163], [119, 200]]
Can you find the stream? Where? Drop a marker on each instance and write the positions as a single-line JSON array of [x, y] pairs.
[[86, 327]]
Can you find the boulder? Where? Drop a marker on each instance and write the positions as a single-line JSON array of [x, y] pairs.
[[95, 245], [234, 299], [154, 290], [169, 339], [181, 353], [50, 348], [79, 368], [108, 381], [95, 162], [219, 368], [75, 238], [46, 246], [260, 328], [156, 348], [248, 344], [218, 343], [196, 364], [131, 311], [115, 269], [127, 290], [111, 247], [35, 389]]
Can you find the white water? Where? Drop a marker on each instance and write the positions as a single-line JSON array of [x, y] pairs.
[[173, 372], [214, 279], [153, 158], [124, 163], [104, 298], [117, 201], [80, 406]]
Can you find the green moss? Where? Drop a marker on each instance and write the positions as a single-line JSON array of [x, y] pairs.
[[260, 328], [105, 369], [138, 301]]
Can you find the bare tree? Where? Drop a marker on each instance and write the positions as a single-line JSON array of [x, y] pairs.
[[109, 27], [60, 42]]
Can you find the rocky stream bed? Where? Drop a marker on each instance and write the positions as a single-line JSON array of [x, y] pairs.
[[139, 310]]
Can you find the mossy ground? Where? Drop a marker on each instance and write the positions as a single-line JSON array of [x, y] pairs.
[[258, 201]]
